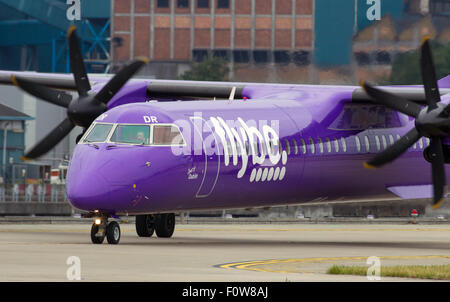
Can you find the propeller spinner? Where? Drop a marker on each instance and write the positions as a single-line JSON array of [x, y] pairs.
[[81, 111], [433, 122]]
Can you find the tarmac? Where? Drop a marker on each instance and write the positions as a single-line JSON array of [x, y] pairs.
[[226, 252]]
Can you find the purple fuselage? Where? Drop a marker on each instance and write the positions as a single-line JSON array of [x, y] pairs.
[[232, 156]]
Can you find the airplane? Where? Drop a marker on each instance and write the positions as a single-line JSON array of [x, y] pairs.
[[153, 148]]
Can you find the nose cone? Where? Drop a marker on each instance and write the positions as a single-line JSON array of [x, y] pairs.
[[88, 192], [86, 188]]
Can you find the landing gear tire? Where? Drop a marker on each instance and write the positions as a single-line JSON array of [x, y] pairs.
[[145, 225], [165, 225], [113, 232], [97, 235]]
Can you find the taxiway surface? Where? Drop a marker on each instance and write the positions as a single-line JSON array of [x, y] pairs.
[[232, 252]]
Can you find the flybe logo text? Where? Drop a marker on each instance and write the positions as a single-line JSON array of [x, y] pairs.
[[243, 140]]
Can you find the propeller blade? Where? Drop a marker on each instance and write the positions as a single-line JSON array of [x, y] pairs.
[[56, 97], [117, 82], [429, 75], [392, 101], [438, 171], [51, 140], [77, 63], [395, 150]]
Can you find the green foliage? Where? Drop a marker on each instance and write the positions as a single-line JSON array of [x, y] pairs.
[[435, 272], [406, 66], [211, 69]]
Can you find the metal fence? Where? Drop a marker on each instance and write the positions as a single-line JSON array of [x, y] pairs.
[[33, 193]]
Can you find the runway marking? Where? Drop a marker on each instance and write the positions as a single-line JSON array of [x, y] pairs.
[[252, 265]]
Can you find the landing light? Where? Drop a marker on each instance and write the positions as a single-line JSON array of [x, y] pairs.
[[98, 221]]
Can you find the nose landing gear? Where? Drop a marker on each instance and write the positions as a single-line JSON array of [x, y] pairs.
[[101, 228]]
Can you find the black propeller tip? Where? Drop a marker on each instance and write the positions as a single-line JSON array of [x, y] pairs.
[[71, 30], [23, 158], [369, 166], [144, 60], [438, 204], [14, 80], [425, 39], [362, 84]]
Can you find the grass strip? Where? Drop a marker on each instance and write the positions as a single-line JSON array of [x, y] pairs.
[[434, 272]]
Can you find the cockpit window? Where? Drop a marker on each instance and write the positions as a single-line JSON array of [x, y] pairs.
[[98, 134], [131, 134], [167, 135]]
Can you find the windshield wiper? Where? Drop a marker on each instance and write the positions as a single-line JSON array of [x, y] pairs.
[[93, 145]]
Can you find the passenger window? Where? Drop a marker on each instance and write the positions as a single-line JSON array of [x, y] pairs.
[[256, 147], [294, 142], [383, 138], [377, 141], [320, 145], [167, 135], [420, 143], [358, 144], [366, 141], [312, 146], [270, 147], [303, 145], [263, 147], [336, 145], [238, 148], [131, 134], [328, 143], [391, 139], [344, 144], [427, 141], [398, 136], [288, 146]]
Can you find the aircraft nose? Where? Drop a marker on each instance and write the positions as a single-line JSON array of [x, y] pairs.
[[87, 193]]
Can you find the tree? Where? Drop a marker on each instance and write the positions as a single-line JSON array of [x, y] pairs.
[[211, 69], [406, 66]]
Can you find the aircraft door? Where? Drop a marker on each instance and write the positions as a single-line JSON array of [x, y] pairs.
[[207, 162]]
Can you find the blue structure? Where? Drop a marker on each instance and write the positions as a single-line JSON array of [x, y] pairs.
[[337, 21], [33, 35]]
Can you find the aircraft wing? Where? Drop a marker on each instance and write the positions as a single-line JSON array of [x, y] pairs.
[[415, 94], [53, 80], [201, 89]]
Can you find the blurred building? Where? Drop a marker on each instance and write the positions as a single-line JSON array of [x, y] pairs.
[[12, 137], [244, 32], [376, 45], [292, 41]]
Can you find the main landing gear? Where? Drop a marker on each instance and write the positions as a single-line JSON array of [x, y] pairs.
[[102, 228], [162, 224]]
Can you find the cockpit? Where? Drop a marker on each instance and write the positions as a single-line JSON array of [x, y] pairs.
[[134, 134]]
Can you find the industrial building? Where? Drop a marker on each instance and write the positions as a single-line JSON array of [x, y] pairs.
[[291, 41], [12, 136]]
